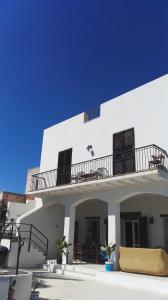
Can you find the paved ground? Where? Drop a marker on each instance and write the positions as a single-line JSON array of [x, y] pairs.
[[68, 288]]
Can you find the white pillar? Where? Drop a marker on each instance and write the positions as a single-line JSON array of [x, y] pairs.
[[69, 227], [114, 226]]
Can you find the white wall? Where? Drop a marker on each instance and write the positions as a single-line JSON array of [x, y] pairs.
[[144, 108], [50, 221], [31, 259], [15, 210]]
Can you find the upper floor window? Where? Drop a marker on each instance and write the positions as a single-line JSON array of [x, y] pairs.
[[92, 113]]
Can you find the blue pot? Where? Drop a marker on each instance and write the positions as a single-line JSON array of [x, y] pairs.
[[109, 267]]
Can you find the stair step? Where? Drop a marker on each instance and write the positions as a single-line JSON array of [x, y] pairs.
[[79, 274], [75, 271], [60, 271], [84, 269]]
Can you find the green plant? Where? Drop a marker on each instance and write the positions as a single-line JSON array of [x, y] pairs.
[[62, 246], [37, 284], [108, 251]]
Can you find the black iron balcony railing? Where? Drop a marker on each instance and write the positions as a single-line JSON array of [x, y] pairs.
[[130, 161]]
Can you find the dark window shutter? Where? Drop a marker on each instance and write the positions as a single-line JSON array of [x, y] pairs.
[[143, 233]]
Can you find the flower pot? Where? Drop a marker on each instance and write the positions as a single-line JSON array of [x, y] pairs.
[[59, 259], [109, 266], [19, 290], [52, 268]]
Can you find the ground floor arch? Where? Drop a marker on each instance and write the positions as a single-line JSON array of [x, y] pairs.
[[144, 221], [90, 230]]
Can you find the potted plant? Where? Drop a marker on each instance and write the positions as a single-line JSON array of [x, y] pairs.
[[108, 253], [35, 294], [62, 248]]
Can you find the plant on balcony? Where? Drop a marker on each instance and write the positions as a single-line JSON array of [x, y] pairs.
[[108, 254], [62, 248]]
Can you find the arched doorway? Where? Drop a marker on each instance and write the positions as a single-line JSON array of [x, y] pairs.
[[90, 230], [144, 221]]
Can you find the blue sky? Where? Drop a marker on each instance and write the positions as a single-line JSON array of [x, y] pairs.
[[61, 57]]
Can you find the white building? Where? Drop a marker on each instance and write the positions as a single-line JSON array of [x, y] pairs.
[[103, 175], [16, 204]]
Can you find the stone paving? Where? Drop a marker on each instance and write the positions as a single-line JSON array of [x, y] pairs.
[[57, 287]]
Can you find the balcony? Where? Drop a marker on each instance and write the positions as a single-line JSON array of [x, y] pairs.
[[141, 159]]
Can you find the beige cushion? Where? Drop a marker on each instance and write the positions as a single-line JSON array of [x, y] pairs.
[[142, 260]]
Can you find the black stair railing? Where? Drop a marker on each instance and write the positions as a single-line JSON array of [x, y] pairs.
[[29, 233], [130, 161]]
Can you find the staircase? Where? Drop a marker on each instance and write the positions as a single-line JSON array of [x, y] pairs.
[[34, 250]]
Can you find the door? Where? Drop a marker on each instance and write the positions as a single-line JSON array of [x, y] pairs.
[[131, 233], [93, 231], [64, 167], [124, 152]]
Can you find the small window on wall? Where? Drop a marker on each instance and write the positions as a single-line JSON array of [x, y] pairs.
[[92, 114]]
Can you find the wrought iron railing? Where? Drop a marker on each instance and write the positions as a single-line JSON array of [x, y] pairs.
[[30, 234], [130, 161]]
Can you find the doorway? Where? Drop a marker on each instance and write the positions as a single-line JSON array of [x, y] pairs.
[[131, 233], [92, 231], [134, 230], [64, 167]]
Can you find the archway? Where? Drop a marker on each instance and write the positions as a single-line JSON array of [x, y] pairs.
[[90, 230], [144, 221]]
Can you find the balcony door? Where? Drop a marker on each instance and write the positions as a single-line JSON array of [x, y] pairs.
[[64, 167], [124, 152]]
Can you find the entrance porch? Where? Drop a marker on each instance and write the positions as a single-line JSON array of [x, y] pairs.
[[138, 221]]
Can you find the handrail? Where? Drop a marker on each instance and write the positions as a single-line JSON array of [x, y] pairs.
[[38, 238], [38, 246], [34, 228], [139, 157], [27, 235], [40, 232]]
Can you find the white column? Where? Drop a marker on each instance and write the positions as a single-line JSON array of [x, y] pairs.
[[69, 227], [114, 226]]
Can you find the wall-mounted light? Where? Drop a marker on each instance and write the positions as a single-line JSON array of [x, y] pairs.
[[89, 147]]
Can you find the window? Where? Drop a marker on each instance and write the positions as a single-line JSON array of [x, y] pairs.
[[92, 114]]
